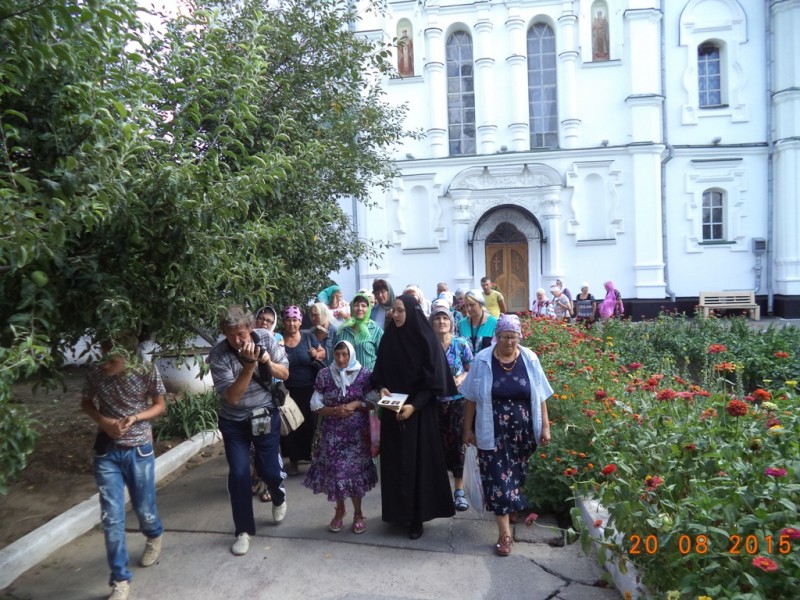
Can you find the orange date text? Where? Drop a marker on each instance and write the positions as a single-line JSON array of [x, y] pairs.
[[700, 544]]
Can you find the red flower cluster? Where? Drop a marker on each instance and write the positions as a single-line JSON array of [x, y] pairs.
[[608, 469], [665, 395], [765, 564], [781, 355], [651, 482], [736, 408], [717, 349], [762, 395], [600, 394]]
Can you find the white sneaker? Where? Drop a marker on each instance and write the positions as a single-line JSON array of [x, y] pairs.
[[241, 545], [152, 550], [120, 590], [278, 512]]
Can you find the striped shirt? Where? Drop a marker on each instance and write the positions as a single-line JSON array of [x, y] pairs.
[[366, 351]]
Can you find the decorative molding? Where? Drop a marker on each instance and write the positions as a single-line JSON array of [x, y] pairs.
[[536, 175]]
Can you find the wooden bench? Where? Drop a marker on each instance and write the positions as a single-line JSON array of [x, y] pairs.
[[736, 299]]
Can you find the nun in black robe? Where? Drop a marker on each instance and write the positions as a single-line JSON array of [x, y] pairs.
[[415, 486]]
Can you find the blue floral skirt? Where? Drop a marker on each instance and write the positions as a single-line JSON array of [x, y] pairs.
[[503, 469]]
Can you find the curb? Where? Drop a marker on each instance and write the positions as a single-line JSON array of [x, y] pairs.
[[40, 543]]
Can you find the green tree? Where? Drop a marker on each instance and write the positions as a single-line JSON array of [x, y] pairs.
[[147, 177]]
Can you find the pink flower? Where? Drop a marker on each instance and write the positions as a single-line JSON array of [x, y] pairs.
[[791, 533], [772, 422], [665, 395], [775, 472], [765, 564], [651, 482], [598, 523], [530, 519], [781, 355], [634, 366], [570, 471], [717, 349]]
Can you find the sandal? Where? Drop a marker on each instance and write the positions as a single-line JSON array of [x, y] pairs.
[[359, 526], [265, 496], [460, 501], [337, 522], [503, 546]]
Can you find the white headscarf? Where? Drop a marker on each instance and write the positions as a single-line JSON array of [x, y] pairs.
[[343, 378]]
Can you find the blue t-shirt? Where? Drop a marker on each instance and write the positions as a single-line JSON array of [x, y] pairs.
[[480, 337]]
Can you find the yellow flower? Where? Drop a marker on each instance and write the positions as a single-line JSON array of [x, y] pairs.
[[792, 383], [704, 598], [775, 430], [673, 595]]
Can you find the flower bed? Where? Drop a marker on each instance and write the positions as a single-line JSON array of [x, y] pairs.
[[687, 432]]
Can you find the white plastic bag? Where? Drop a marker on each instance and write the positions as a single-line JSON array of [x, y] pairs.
[[473, 488]]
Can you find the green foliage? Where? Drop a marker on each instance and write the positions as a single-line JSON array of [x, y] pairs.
[[149, 176], [188, 415], [692, 455]]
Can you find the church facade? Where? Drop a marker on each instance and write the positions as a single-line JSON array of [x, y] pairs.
[[654, 144]]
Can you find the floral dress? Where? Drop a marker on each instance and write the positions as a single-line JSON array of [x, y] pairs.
[[503, 469], [451, 408], [342, 465]]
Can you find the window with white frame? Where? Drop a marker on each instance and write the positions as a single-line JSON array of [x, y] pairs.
[[709, 75], [542, 86], [460, 94], [713, 216]]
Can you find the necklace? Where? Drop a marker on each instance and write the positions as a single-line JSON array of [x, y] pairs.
[[504, 367]]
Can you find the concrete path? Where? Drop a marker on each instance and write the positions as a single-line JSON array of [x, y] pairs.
[[301, 559]]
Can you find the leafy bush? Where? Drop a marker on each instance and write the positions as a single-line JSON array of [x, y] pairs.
[[188, 415], [687, 431]]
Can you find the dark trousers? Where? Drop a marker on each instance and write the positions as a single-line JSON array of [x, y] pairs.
[[237, 437]]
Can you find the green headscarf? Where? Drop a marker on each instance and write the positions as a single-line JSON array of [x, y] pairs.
[[361, 326]]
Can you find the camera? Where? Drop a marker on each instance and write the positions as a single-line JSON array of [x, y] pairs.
[[260, 351]]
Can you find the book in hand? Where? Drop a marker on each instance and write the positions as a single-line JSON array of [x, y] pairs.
[[393, 401]]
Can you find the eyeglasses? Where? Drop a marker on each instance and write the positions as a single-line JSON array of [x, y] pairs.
[[507, 338]]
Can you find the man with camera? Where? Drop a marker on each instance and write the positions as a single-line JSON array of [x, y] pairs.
[[242, 367]]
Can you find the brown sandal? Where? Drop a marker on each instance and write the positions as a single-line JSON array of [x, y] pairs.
[[503, 546]]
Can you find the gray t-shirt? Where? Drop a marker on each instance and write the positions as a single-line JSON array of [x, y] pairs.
[[225, 368]]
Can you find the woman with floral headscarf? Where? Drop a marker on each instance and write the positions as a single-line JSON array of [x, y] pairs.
[[342, 466], [612, 305], [362, 332], [302, 347], [506, 391]]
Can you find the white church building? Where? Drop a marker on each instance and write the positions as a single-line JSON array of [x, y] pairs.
[[653, 143]]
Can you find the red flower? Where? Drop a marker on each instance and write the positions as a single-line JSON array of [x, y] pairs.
[[570, 471], [791, 533], [608, 469], [762, 395], [530, 519], [651, 482], [599, 523], [634, 366], [775, 471], [600, 394], [765, 564], [781, 355], [736, 408], [690, 447], [708, 414], [665, 395], [725, 367], [772, 422], [717, 349]]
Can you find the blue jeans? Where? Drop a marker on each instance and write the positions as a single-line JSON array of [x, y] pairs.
[[237, 437], [134, 468]]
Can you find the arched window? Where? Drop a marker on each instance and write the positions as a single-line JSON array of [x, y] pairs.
[[460, 94], [713, 216], [709, 75], [542, 99]]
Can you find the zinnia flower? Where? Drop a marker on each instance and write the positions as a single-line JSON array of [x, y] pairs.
[[765, 564], [599, 523], [725, 367], [708, 414], [769, 406], [600, 394], [570, 471], [634, 366], [736, 408], [651, 482], [781, 355], [762, 395], [791, 533], [717, 349], [690, 447], [665, 395], [608, 469], [775, 471], [530, 519]]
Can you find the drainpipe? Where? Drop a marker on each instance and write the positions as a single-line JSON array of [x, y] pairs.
[[665, 160], [351, 26], [770, 152]]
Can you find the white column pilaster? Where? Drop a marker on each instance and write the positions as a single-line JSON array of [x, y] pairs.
[[648, 262], [437, 90], [517, 61], [568, 56], [485, 92]]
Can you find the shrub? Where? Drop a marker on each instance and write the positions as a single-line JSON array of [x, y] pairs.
[[187, 415]]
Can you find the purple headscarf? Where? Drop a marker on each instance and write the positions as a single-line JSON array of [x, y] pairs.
[[608, 305]]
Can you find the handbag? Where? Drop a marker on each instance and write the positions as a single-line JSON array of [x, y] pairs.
[[291, 416], [473, 488]]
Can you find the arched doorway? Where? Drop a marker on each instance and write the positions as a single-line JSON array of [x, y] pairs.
[[507, 264]]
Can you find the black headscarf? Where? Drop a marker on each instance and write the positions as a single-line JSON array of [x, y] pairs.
[[410, 358]]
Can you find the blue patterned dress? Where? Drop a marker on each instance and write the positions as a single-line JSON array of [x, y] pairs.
[[503, 469], [342, 465]]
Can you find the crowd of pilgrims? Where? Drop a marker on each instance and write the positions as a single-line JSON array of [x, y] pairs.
[[467, 379]]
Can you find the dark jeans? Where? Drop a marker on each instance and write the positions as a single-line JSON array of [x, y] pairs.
[[297, 445], [237, 437]]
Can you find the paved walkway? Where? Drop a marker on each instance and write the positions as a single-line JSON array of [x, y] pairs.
[[301, 559]]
